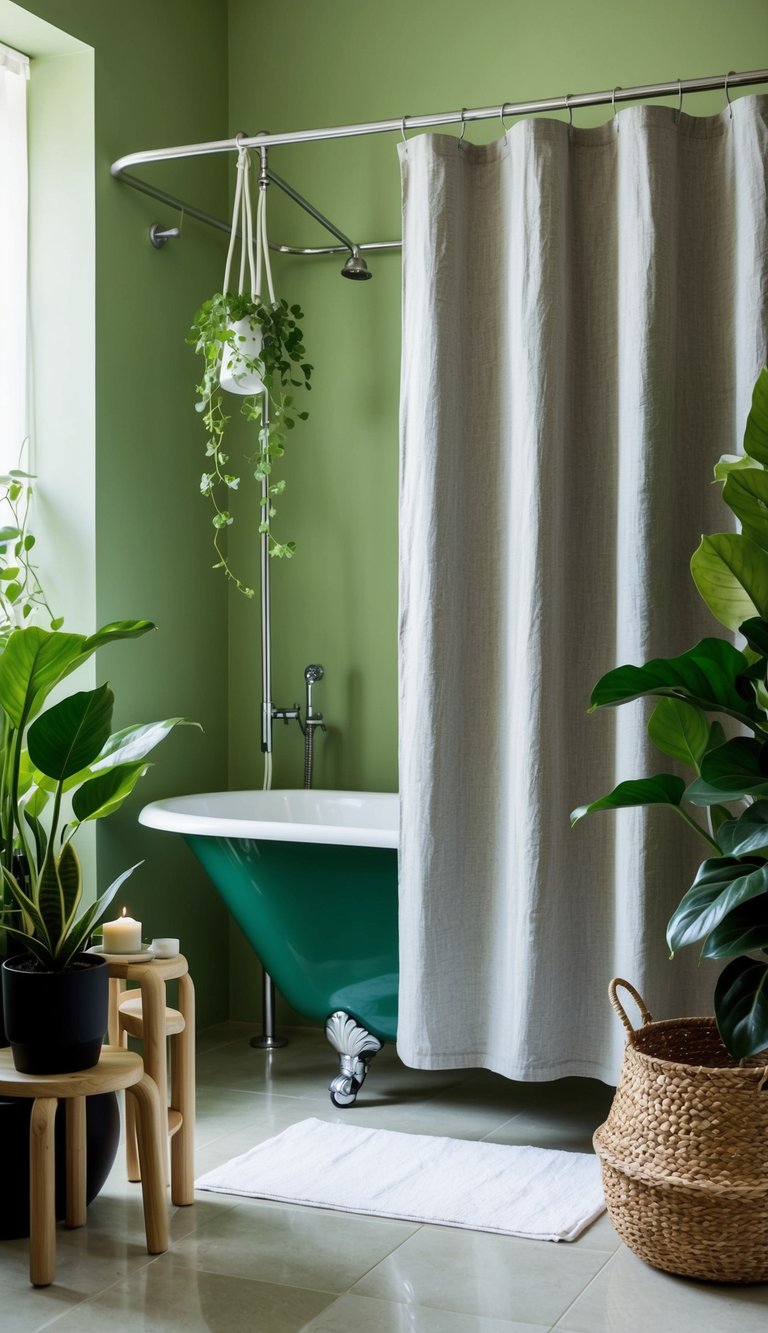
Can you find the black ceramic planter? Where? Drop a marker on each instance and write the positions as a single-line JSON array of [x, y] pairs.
[[102, 1136], [55, 1021]]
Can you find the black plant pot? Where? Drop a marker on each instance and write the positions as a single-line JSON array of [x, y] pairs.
[[102, 1136], [55, 1021]]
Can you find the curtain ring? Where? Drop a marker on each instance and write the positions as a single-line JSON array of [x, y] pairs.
[[679, 111], [616, 90], [463, 124], [569, 109], [501, 117], [727, 94]]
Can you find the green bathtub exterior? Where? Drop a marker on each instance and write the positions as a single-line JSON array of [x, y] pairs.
[[322, 918]]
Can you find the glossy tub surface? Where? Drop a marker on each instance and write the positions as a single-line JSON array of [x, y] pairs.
[[311, 879]]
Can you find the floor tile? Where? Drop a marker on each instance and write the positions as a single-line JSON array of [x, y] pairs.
[[629, 1295], [475, 1273], [355, 1314], [302, 1247], [170, 1295]]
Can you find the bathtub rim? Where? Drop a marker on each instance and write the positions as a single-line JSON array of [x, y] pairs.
[[176, 814]]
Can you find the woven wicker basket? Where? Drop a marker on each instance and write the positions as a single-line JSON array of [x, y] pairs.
[[684, 1151]]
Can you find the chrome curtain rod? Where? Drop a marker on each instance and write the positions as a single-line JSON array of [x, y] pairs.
[[567, 102]]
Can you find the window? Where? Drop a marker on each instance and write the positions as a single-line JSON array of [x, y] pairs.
[[14, 72]]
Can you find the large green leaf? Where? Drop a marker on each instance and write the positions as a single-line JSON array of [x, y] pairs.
[[104, 794], [746, 493], [729, 773], [743, 930], [133, 743], [69, 736], [755, 632], [680, 730], [729, 463], [741, 1007], [748, 833], [756, 433], [34, 660], [721, 884], [731, 573], [707, 676], [663, 789]]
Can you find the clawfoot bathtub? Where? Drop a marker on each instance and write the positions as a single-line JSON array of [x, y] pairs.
[[311, 879]]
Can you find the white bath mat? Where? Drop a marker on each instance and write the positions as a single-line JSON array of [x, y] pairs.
[[534, 1192]]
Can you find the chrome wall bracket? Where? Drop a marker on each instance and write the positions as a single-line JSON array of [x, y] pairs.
[[356, 1047]]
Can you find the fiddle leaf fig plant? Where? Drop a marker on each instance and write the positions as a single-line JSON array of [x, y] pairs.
[[725, 910], [64, 757], [266, 341]]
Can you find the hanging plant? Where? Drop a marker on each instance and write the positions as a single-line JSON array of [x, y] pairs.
[[252, 347]]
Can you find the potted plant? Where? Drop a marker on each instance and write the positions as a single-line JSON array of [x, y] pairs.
[[65, 758], [252, 347], [683, 1151]]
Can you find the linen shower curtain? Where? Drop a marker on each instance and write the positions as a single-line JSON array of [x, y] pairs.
[[584, 316]]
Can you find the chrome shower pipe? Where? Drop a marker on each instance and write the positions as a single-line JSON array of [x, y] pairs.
[[641, 92]]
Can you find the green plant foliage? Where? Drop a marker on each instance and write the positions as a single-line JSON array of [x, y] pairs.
[[21, 592], [726, 907], [68, 747], [283, 368]]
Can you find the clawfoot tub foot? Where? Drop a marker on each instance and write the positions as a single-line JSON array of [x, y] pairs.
[[356, 1048]]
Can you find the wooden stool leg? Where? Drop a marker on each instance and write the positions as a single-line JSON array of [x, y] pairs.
[[42, 1193], [155, 1054], [183, 1099], [132, 1164], [151, 1130], [76, 1162]]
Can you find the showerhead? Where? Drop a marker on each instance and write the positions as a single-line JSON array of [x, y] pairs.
[[356, 268], [313, 672]]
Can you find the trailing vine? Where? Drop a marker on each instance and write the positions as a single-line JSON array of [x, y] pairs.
[[282, 368], [21, 593]]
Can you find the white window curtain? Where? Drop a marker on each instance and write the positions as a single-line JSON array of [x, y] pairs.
[[14, 73], [584, 316]]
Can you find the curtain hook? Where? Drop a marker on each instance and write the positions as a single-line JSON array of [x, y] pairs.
[[680, 101], [402, 131], [463, 124], [569, 109], [501, 117], [727, 94], [616, 90]]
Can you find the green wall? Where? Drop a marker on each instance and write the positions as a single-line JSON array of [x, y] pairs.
[[160, 78], [334, 64], [192, 70]]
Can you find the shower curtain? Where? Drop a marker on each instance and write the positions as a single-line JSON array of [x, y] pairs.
[[584, 316]]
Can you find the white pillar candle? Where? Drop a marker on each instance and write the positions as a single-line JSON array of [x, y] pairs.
[[122, 935]]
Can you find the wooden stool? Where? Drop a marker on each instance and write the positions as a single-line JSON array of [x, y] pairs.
[[116, 1069], [147, 1017]]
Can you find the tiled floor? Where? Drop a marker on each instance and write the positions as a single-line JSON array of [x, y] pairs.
[[238, 1264]]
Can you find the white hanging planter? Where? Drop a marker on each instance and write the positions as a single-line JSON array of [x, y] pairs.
[[236, 376], [245, 341]]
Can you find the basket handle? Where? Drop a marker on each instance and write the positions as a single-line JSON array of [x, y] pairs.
[[621, 1011]]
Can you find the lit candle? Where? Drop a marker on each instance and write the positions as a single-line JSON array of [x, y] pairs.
[[122, 935]]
